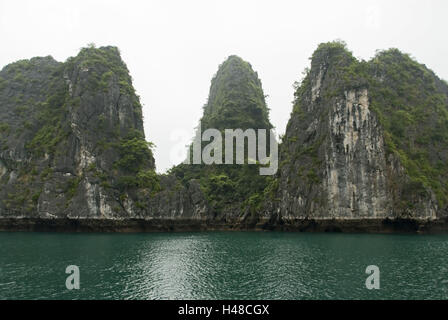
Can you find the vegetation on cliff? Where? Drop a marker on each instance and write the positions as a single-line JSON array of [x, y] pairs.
[[67, 126], [72, 139], [410, 101], [236, 101]]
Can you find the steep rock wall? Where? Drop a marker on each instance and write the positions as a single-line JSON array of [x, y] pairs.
[[73, 147], [335, 163]]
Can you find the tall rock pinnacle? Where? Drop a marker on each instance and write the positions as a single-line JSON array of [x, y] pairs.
[[236, 101], [366, 140]]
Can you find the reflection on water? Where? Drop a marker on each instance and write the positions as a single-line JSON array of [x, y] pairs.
[[222, 265]]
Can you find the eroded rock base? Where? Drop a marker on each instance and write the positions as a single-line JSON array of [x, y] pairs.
[[184, 225]]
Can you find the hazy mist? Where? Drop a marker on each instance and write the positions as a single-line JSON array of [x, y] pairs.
[[173, 48]]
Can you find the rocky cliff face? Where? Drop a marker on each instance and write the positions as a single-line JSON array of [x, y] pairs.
[[341, 156], [366, 148], [236, 101], [72, 144]]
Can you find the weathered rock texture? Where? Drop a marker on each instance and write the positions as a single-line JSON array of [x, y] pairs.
[[342, 159], [236, 101], [366, 149], [72, 145]]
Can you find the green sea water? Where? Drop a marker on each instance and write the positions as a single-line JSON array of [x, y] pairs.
[[223, 265]]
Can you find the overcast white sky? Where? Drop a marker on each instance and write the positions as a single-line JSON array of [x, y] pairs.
[[173, 48]]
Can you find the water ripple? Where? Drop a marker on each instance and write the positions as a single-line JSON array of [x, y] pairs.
[[222, 265]]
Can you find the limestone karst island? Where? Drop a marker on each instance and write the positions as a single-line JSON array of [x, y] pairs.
[[365, 149]]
